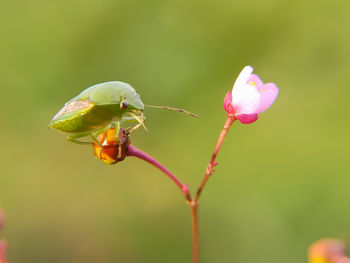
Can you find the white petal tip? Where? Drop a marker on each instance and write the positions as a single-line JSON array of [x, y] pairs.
[[243, 77], [249, 69]]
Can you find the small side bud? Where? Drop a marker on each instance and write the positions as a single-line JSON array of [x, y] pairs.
[[186, 189], [110, 150]]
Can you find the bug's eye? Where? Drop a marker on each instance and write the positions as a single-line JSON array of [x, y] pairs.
[[123, 104]]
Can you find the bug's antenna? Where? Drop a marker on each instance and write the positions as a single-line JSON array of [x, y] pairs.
[[174, 109]]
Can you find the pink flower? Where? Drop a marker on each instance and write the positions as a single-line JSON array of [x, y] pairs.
[[3, 244], [328, 250], [249, 96], [1, 219], [3, 247]]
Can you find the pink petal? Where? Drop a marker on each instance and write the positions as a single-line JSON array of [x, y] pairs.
[[247, 118], [257, 81], [3, 247], [228, 103], [245, 97], [268, 94], [1, 219]]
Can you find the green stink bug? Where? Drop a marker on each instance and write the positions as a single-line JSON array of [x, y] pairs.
[[101, 107]]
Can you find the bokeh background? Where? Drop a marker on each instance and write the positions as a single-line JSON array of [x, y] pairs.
[[282, 182]]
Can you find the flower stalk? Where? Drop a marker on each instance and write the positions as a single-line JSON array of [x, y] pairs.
[[209, 170], [133, 151], [195, 230], [249, 97], [193, 203]]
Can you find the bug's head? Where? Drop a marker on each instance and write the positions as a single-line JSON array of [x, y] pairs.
[[131, 101]]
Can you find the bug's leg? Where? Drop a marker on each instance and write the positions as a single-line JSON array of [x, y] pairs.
[[96, 133], [135, 127], [116, 132], [128, 119], [73, 138], [116, 137], [103, 137], [143, 120]]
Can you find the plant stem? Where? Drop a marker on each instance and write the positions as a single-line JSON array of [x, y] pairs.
[[193, 203], [133, 151], [209, 170], [195, 230]]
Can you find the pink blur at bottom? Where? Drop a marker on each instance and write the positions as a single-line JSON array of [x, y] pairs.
[[3, 248]]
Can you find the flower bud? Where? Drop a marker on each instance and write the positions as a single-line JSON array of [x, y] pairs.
[[110, 150]]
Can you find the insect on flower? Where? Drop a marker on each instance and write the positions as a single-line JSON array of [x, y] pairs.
[[101, 107], [249, 96]]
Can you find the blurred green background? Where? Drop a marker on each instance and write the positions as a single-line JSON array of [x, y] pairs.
[[282, 183]]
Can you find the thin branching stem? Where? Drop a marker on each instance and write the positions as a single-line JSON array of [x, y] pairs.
[[133, 151], [209, 170], [195, 231], [193, 203]]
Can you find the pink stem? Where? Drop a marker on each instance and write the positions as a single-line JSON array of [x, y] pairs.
[[193, 203], [3, 248], [133, 151], [195, 230], [209, 170]]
